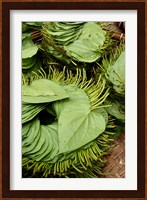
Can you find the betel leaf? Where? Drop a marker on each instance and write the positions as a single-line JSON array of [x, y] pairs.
[[25, 129], [43, 91], [40, 142], [63, 33], [52, 130], [103, 112], [116, 109], [83, 51], [116, 74], [33, 132], [87, 47], [93, 31], [77, 123], [36, 66], [29, 49], [28, 63], [29, 111], [78, 131]]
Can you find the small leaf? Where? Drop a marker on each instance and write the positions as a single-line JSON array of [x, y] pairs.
[[29, 49], [116, 74], [27, 63], [116, 109]]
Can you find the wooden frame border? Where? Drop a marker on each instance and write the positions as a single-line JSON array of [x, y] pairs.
[[6, 7]]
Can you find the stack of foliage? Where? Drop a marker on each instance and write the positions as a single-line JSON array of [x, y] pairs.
[[73, 98], [30, 55]]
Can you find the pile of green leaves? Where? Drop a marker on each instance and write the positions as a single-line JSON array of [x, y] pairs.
[[30, 52], [75, 41], [70, 116]]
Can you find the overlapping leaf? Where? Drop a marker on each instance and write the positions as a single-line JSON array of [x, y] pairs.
[[29, 49], [116, 74], [79, 127], [87, 47], [40, 142], [43, 91], [62, 121], [116, 109], [78, 41]]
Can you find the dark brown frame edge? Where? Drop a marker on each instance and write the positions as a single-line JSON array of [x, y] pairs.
[[6, 7]]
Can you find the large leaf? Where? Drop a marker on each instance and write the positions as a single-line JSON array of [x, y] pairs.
[[93, 31], [77, 124], [87, 47], [43, 91]]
